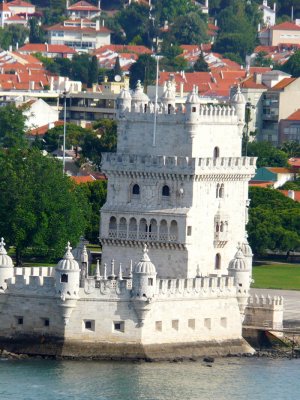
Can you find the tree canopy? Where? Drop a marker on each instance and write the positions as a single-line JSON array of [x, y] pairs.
[[12, 126], [274, 221], [144, 70], [267, 154], [40, 208], [292, 66]]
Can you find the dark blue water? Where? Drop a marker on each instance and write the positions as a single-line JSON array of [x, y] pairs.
[[227, 379]]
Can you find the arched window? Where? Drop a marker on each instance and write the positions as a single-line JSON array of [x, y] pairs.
[[113, 223], [221, 191], [136, 190], [123, 228], [217, 190], [173, 231], [216, 152], [222, 227], [132, 229], [217, 227], [64, 278], [218, 261], [166, 191], [163, 230]]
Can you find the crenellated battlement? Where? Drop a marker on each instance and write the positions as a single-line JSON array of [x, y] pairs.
[[199, 286], [266, 301], [206, 113], [34, 277], [179, 165]]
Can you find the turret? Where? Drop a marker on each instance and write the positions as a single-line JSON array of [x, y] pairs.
[[140, 100], [124, 101], [6, 267], [247, 251], [143, 285], [239, 103], [238, 268], [192, 107], [67, 275], [168, 98]]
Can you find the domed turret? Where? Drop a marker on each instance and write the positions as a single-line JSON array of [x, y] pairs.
[[168, 97], [124, 101], [143, 285], [247, 251], [238, 268], [6, 266], [140, 100], [192, 107], [67, 275], [239, 102]]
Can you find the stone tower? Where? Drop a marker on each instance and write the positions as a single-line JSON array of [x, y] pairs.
[[180, 185]]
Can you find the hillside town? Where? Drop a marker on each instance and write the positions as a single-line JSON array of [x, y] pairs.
[[175, 119]]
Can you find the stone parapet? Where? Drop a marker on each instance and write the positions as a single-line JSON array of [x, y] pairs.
[[124, 163]]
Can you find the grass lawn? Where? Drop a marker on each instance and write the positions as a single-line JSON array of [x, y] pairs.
[[277, 276]]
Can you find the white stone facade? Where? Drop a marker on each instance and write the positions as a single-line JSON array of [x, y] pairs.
[[182, 197]]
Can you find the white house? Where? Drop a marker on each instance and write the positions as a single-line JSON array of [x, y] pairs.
[[83, 9], [81, 34]]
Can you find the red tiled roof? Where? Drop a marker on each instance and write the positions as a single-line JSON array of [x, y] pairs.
[[279, 170], [296, 194], [261, 184], [250, 83], [286, 26], [95, 176], [43, 129], [20, 3], [16, 18], [42, 47], [120, 48], [295, 116], [294, 162], [61, 27], [4, 6], [84, 6], [284, 83]]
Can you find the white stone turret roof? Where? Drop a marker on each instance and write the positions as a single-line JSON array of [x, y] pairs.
[[238, 98], [68, 262], [246, 249], [5, 260], [145, 266], [138, 94], [238, 262], [193, 97], [125, 95]]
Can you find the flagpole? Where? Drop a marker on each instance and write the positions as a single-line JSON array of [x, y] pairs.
[[155, 103]]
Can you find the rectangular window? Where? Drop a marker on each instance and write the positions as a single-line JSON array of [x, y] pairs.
[[150, 281], [192, 324], [46, 321], [223, 322], [89, 325], [20, 320], [158, 326], [189, 230], [119, 326], [175, 324], [207, 323]]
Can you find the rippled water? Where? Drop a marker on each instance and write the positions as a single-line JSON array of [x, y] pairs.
[[259, 379]]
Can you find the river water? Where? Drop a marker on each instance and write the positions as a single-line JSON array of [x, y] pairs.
[[226, 379]]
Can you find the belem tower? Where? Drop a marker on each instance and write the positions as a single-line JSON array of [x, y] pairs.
[[176, 265]]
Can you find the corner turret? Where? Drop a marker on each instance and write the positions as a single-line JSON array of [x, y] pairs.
[[192, 108], [143, 285], [168, 99], [6, 266], [67, 275], [238, 269], [124, 102], [140, 100], [239, 103]]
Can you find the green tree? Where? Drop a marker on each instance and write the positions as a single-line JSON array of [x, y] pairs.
[[95, 194], [74, 136], [144, 70], [291, 148], [12, 127], [40, 208], [274, 221], [190, 28], [268, 155], [169, 10], [134, 20], [102, 139], [18, 34], [36, 34], [201, 65], [292, 66], [93, 71]]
